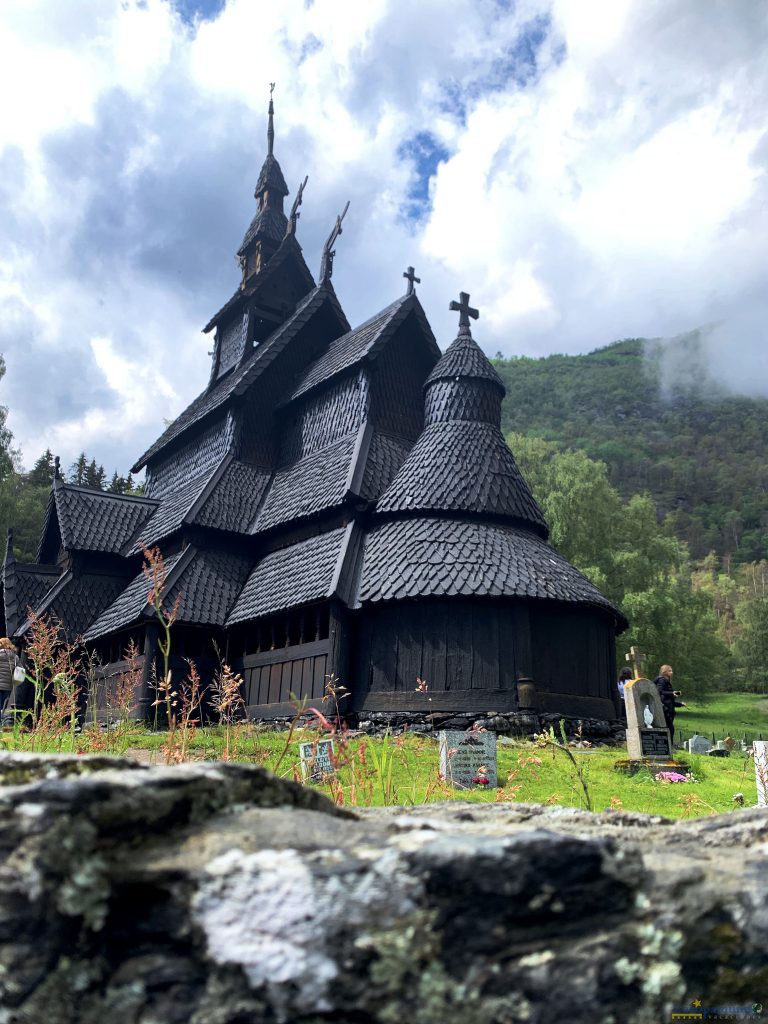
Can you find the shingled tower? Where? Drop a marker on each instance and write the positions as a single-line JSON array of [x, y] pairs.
[[268, 227], [335, 503]]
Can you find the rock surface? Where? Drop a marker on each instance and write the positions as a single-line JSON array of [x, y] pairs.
[[217, 894]]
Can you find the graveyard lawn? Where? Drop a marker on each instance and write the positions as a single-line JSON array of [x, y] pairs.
[[530, 774], [734, 714], [405, 770]]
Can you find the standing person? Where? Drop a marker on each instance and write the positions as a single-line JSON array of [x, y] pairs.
[[624, 677], [8, 662], [669, 697]]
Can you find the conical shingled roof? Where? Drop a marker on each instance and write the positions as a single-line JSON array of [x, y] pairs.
[[271, 176], [461, 463], [465, 358]]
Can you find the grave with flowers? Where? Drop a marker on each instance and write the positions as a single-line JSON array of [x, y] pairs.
[[468, 758]]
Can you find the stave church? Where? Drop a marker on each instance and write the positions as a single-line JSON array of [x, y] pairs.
[[336, 504]]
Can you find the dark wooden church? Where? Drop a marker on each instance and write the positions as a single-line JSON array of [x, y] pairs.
[[335, 503]]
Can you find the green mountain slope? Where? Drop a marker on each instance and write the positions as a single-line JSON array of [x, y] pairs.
[[700, 452]]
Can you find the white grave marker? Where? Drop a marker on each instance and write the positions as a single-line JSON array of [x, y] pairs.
[[760, 749], [316, 760]]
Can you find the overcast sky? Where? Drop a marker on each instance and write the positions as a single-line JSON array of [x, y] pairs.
[[587, 170]]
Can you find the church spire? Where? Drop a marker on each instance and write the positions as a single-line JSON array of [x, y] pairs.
[[271, 122], [268, 227]]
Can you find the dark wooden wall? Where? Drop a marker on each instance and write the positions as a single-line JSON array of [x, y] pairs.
[[272, 676], [471, 654]]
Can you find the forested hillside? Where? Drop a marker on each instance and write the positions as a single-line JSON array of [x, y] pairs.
[[700, 452]]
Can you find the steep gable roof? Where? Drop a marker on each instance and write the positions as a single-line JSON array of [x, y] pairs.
[[287, 256], [317, 482], [310, 570], [92, 520], [24, 586], [76, 599], [363, 342], [206, 583], [237, 381], [171, 512]]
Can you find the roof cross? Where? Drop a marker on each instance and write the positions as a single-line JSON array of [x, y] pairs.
[[410, 273], [464, 309]]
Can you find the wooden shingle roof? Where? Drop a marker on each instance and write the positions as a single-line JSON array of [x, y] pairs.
[[295, 575], [240, 378], [442, 557], [462, 466], [91, 520], [76, 599], [364, 342], [207, 581]]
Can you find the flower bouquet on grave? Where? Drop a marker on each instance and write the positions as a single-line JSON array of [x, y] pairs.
[[481, 779]]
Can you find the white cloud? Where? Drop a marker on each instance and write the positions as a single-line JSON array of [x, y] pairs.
[[615, 187]]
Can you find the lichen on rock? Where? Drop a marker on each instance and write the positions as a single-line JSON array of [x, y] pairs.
[[218, 894]]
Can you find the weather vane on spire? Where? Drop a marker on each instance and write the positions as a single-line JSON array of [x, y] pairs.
[[326, 267], [464, 310], [270, 122]]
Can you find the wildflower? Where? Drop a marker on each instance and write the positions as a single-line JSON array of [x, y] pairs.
[[671, 777], [738, 798]]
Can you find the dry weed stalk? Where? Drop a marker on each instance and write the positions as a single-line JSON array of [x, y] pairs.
[[228, 702]]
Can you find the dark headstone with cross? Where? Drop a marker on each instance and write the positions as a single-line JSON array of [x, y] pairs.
[[464, 309], [410, 273]]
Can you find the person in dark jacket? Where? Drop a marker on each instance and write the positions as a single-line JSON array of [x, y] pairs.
[[669, 697], [8, 662]]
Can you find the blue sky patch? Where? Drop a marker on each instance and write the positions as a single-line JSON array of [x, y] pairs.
[[204, 10], [424, 152]]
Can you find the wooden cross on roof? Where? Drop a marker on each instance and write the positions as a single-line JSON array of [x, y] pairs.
[[410, 273], [464, 309], [637, 658]]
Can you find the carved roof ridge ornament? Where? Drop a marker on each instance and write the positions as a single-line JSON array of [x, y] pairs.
[[410, 273], [294, 215], [271, 122], [326, 267], [56, 469], [465, 311]]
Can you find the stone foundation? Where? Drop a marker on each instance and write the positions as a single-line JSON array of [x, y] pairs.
[[517, 724]]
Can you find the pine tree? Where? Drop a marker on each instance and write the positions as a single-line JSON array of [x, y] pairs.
[[41, 473], [78, 472]]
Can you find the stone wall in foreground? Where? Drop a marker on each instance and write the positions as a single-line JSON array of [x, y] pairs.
[[217, 894]]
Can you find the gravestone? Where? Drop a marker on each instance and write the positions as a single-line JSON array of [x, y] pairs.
[[316, 760], [647, 733], [698, 745], [468, 758], [760, 750]]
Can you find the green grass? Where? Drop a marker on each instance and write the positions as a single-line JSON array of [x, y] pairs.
[[735, 714], [404, 769]]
